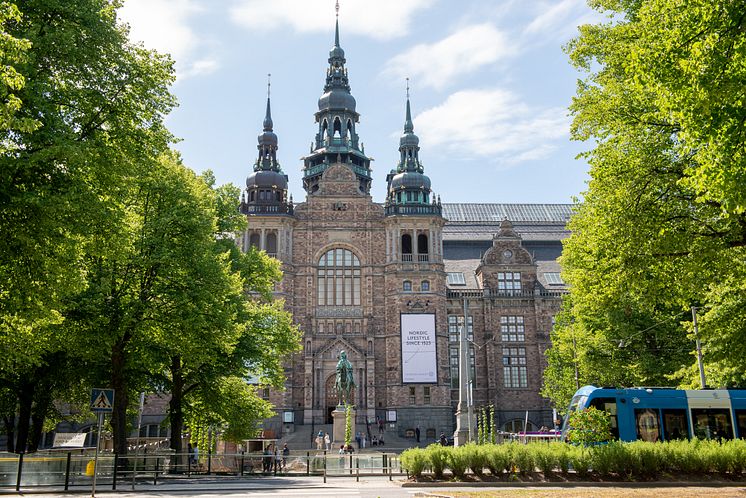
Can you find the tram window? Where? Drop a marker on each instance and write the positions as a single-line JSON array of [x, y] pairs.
[[712, 423], [648, 428], [741, 419], [609, 405], [675, 425]]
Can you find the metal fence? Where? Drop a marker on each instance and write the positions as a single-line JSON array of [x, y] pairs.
[[74, 469]]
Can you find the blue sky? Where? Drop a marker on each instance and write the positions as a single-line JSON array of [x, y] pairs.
[[489, 86]]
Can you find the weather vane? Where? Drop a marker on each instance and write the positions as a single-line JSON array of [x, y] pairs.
[[336, 7], [269, 76], [407, 87]]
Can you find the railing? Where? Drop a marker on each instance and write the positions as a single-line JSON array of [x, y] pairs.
[[64, 471], [430, 209], [266, 209], [407, 258], [507, 294], [423, 258]]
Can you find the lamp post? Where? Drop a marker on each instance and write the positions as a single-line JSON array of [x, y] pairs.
[[463, 412]]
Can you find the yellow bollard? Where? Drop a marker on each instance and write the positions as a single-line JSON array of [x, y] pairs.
[[90, 468]]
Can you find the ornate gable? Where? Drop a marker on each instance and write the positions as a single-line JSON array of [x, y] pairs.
[[339, 179]]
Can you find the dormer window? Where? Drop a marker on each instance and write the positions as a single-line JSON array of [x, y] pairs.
[[554, 278], [455, 278]]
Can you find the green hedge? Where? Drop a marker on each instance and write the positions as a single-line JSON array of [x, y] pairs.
[[634, 461]]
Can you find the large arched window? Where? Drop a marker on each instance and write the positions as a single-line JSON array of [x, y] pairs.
[[338, 278]]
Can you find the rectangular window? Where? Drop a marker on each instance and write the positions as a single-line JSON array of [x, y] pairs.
[[741, 421], [453, 364], [675, 424], [425, 286], [712, 423], [512, 329], [407, 286], [426, 395], [508, 283], [647, 425], [514, 368], [412, 398], [455, 278]]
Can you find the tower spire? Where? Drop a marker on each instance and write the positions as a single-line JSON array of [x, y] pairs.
[[336, 30], [268, 115], [408, 125]]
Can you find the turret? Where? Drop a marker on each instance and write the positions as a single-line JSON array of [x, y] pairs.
[[337, 139]]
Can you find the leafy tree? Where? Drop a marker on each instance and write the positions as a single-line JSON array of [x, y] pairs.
[[662, 225], [82, 110]]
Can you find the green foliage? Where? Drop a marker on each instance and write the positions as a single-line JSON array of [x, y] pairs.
[[589, 426], [661, 226], [476, 456], [458, 461], [438, 458], [523, 457], [546, 458], [348, 424], [414, 460], [499, 459], [638, 460]]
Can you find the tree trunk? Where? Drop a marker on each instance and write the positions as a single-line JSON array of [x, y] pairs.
[[10, 431], [175, 412], [121, 398], [25, 400], [38, 415]]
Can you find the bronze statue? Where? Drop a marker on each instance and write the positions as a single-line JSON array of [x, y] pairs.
[[345, 383]]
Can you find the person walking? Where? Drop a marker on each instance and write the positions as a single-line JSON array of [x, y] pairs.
[[319, 440], [417, 433], [327, 442], [443, 440]]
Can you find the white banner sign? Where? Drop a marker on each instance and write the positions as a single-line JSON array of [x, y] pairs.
[[419, 362], [69, 439]]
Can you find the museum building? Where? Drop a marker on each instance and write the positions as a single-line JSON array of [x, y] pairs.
[[393, 283]]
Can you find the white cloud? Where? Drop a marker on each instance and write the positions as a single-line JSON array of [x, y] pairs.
[[165, 25], [380, 19], [492, 123], [438, 64], [559, 20]]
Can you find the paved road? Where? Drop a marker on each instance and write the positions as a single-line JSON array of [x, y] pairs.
[[371, 487]]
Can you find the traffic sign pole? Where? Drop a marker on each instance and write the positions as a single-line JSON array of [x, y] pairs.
[[95, 458]]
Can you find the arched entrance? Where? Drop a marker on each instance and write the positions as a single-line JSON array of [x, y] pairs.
[[332, 399]]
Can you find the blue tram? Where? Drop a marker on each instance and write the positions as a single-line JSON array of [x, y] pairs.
[[663, 414]]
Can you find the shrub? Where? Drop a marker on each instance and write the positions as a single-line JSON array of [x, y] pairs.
[[647, 460], [476, 457], [612, 458], [498, 458], [562, 452], [737, 447], [545, 457], [589, 426], [458, 461], [580, 459], [414, 460], [438, 459], [523, 458]]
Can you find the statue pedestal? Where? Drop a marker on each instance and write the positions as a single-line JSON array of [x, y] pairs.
[[340, 422]]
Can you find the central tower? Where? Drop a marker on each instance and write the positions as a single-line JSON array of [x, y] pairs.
[[336, 140]]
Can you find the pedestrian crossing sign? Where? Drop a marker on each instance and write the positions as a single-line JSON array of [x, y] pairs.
[[102, 400]]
